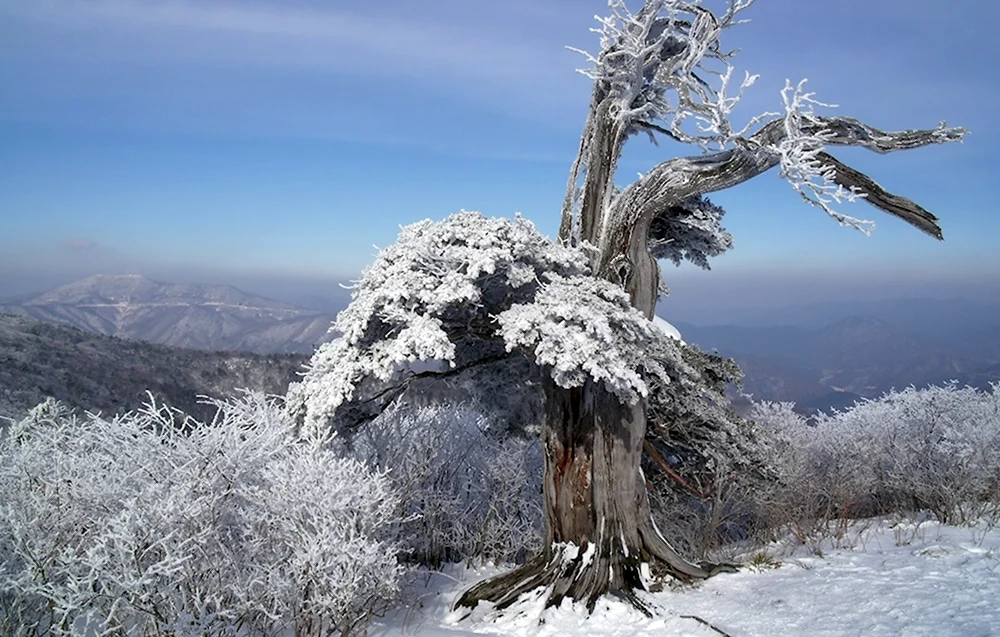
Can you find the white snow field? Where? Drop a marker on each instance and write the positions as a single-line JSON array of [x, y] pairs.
[[899, 579]]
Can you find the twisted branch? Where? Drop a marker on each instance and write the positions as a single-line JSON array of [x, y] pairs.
[[677, 179], [896, 205]]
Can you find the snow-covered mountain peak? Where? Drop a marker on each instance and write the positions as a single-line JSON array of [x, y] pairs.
[[211, 317]]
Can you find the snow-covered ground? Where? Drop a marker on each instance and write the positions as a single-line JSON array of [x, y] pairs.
[[898, 579]]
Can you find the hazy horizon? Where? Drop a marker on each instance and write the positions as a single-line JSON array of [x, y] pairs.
[[695, 296]]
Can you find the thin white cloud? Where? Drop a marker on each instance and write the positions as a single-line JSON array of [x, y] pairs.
[[368, 62], [438, 45], [80, 245]]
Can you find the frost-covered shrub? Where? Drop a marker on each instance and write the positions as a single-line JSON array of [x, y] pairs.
[[143, 525], [934, 449], [814, 479], [467, 490]]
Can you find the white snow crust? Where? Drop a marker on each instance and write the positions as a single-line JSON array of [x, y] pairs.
[[900, 578], [667, 328]]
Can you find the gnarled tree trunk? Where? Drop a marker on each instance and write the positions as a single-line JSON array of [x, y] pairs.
[[599, 534]]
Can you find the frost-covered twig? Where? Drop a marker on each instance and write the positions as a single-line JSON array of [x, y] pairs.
[[653, 64], [801, 157]]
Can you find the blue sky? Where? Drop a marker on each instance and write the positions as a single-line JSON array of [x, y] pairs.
[[272, 144]]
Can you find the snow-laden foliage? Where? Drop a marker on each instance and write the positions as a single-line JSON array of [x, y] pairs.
[[691, 231], [143, 525], [443, 268], [584, 327], [440, 283], [467, 490], [447, 290]]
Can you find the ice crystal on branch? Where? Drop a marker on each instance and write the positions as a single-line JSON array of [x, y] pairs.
[[801, 166], [654, 62]]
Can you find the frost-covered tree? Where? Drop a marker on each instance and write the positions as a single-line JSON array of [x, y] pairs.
[[470, 291]]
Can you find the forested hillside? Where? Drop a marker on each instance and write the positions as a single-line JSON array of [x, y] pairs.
[[98, 373]]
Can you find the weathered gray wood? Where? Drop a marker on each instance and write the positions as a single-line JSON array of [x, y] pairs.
[[907, 210], [593, 496], [676, 179]]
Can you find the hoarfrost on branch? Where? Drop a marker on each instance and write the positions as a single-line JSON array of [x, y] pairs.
[[661, 70]]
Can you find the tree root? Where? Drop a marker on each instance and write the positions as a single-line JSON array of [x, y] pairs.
[[504, 590], [568, 572]]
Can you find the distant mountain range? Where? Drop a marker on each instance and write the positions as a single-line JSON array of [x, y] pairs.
[[92, 372], [210, 317], [964, 326], [818, 356], [857, 356]]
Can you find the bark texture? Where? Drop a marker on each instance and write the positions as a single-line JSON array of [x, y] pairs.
[[599, 534]]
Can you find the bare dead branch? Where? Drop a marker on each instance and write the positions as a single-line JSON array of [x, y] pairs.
[[907, 210], [706, 623], [847, 131], [650, 126], [380, 400], [673, 475], [673, 180]]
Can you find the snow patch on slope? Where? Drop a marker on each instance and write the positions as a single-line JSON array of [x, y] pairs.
[[667, 328]]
